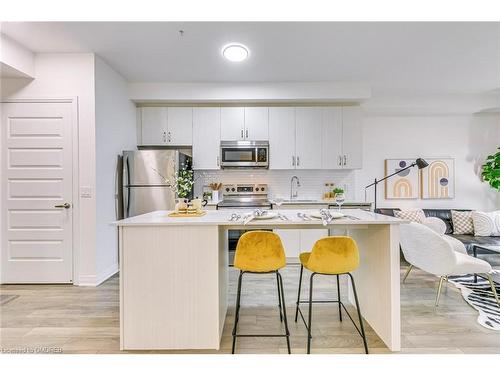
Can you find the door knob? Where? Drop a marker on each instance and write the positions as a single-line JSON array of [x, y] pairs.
[[65, 205]]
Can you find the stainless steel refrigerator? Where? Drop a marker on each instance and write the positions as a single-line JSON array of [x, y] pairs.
[[144, 180]]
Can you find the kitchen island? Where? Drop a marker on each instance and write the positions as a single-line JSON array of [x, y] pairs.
[[174, 275]]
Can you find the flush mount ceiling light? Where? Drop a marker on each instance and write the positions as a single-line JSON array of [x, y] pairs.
[[235, 52]]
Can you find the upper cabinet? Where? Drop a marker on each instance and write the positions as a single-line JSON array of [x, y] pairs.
[[153, 124], [315, 138], [206, 138], [244, 123], [180, 126], [352, 137], [281, 138], [308, 127], [257, 123], [166, 126]]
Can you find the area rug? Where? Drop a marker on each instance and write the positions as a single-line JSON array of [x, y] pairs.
[[480, 297], [5, 298]]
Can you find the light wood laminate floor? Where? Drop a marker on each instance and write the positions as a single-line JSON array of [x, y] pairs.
[[86, 319]]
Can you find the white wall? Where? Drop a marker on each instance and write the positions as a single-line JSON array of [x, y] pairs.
[[115, 132], [466, 138], [70, 76], [16, 60]]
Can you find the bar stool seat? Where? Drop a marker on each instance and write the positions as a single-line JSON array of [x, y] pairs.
[[335, 255], [260, 252]]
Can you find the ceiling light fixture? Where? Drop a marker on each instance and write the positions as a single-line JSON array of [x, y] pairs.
[[235, 52]]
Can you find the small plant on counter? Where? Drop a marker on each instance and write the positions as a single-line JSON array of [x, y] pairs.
[[337, 191], [491, 170]]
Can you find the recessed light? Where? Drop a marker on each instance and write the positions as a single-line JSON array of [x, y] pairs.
[[235, 52]]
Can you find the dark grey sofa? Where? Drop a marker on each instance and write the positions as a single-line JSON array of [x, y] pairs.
[[469, 240]]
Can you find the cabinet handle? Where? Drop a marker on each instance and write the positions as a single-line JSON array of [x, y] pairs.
[[247, 133], [340, 160], [169, 137], [298, 161], [293, 160], [345, 160], [218, 161], [164, 137], [241, 133]]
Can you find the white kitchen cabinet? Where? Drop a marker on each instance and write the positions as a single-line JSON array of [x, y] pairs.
[[257, 123], [281, 138], [308, 133], [296, 241], [153, 125], [331, 153], [290, 238], [352, 137], [206, 137], [166, 126], [180, 126], [232, 123]]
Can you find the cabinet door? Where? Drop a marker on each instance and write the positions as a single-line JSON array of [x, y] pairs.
[[291, 241], [206, 138], [308, 238], [331, 154], [180, 126], [281, 138], [308, 137], [352, 137], [257, 123], [232, 123], [153, 125]]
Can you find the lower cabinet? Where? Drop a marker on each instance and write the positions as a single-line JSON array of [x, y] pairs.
[[296, 241]]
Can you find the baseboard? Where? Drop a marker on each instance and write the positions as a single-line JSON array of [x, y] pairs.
[[96, 280]]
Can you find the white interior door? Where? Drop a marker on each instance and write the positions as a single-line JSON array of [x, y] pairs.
[[37, 178]]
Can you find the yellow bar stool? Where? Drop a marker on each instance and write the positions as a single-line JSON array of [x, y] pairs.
[[260, 252], [331, 256]]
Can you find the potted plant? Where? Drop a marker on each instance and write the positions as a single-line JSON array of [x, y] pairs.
[[491, 170], [337, 191]]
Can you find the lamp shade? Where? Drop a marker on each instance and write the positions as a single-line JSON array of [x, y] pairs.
[[421, 163]]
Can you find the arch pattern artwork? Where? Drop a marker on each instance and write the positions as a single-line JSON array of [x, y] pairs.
[[438, 180], [405, 184]]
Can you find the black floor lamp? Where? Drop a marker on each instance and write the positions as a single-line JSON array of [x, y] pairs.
[[420, 163]]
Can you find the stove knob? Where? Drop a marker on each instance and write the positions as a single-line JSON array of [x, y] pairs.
[[262, 189], [233, 189], [227, 189], [256, 189]]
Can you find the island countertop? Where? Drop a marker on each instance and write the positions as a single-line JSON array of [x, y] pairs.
[[221, 217]]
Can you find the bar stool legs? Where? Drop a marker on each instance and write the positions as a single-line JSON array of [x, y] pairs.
[[310, 301], [281, 304], [362, 333], [298, 295]]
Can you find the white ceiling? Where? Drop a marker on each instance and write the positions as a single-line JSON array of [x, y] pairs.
[[416, 57]]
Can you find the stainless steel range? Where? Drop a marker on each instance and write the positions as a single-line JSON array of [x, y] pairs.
[[238, 197], [241, 196]]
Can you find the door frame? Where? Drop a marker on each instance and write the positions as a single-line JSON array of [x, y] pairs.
[[75, 251]]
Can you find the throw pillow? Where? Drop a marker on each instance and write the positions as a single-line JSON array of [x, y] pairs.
[[486, 223], [462, 222], [416, 215]]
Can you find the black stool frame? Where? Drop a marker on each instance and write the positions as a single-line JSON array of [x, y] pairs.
[[281, 306], [360, 330]]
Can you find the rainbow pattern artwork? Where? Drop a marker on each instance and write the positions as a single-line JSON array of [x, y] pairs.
[[404, 185], [438, 179]]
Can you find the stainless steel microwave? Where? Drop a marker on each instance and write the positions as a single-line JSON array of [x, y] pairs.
[[244, 154]]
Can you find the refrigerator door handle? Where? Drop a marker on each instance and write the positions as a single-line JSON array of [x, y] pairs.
[[118, 187], [126, 179]]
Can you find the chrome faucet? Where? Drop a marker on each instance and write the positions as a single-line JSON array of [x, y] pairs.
[[292, 194]]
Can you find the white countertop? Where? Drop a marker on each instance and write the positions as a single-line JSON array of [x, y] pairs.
[[221, 217]]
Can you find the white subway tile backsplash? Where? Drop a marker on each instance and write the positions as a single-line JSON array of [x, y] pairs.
[[311, 181]]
